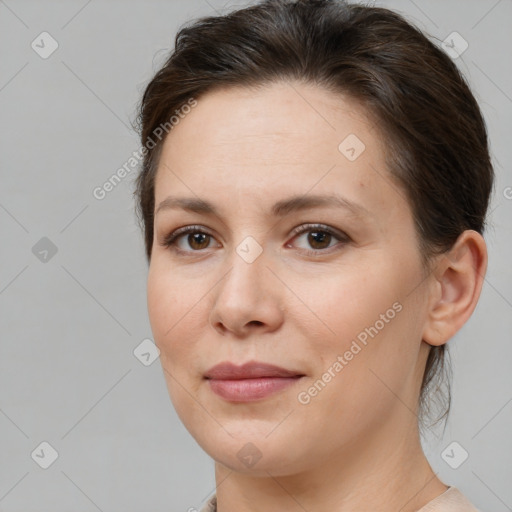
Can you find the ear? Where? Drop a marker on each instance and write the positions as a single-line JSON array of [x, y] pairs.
[[457, 280]]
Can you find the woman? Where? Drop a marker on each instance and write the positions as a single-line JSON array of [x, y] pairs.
[[313, 195]]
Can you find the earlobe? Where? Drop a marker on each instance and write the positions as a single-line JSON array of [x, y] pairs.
[[458, 279]]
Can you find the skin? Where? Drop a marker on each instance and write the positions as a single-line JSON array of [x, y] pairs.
[[355, 446]]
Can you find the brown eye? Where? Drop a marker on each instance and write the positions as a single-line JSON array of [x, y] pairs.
[[197, 240], [319, 239], [189, 239]]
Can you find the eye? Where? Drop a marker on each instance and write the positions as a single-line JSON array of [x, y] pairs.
[[196, 238], [320, 236]]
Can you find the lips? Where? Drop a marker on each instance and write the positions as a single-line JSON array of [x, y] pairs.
[[250, 370], [250, 382]]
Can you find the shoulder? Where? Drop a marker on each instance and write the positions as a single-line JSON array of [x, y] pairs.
[[452, 500]]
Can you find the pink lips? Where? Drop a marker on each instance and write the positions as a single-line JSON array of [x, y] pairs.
[[251, 381]]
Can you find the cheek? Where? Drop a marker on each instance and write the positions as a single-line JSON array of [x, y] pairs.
[[174, 313], [366, 319], [177, 321], [339, 305]]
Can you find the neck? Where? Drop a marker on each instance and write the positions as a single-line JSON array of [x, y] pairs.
[[386, 471]]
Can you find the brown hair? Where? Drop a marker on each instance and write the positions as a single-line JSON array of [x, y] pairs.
[[436, 138]]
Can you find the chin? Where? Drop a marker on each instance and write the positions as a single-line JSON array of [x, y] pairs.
[[254, 453]]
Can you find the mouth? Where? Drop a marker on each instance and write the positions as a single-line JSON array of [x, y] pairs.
[[251, 381]]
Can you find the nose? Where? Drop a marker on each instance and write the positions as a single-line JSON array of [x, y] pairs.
[[248, 299]]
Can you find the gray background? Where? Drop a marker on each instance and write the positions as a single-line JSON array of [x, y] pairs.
[[69, 325]]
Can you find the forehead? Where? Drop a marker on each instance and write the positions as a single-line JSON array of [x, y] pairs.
[[273, 117], [262, 142]]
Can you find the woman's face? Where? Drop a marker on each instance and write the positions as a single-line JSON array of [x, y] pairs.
[[342, 304]]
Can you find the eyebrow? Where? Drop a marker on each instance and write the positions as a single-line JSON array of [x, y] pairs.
[[280, 209]]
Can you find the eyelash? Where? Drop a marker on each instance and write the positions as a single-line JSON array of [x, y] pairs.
[[170, 241]]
